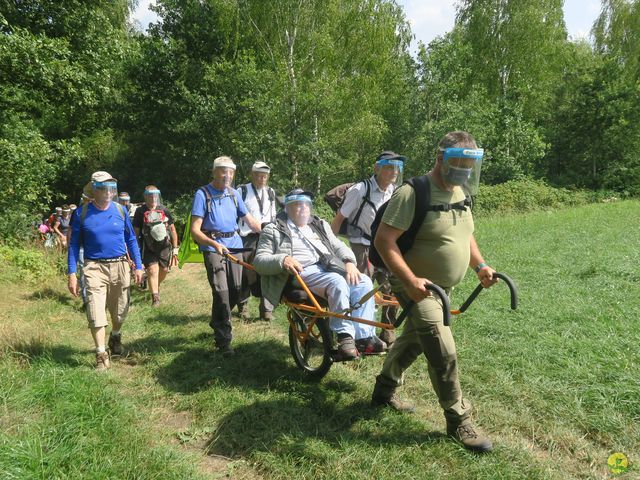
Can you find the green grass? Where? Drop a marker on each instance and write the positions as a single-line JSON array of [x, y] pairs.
[[556, 383]]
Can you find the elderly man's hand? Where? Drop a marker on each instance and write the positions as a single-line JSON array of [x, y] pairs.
[[353, 274], [291, 265]]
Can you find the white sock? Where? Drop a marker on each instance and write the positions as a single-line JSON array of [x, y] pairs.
[[115, 332], [100, 350]]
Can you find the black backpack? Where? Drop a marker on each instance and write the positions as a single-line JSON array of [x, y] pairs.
[[335, 199], [422, 188]]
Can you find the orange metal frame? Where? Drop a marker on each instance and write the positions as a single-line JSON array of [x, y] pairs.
[[317, 312]]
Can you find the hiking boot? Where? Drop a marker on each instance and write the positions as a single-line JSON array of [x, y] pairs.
[[155, 299], [388, 337], [385, 396], [115, 344], [371, 346], [227, 350], [266, 316], [244, 312], [469, 436], [347, 349], [102, 362]]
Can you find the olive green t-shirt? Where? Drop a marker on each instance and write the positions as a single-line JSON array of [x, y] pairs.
[[441, 249]]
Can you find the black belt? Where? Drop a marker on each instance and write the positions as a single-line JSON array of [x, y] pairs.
[[214, 234], [121, 258]]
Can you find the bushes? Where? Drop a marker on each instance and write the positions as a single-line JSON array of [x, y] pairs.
[[519, 196], [30, 263]]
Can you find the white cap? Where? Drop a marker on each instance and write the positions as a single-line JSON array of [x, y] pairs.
[[225, 162], [261, 167]]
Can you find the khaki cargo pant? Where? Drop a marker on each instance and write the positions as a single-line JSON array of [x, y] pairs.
[[107, 288], [424, 333]]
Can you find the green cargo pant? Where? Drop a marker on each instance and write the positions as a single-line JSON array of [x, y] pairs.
[[425, 333]]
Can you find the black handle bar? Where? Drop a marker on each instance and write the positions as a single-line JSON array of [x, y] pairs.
[[445, 306], [512, 288]]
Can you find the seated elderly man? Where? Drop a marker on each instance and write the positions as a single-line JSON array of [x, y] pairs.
[[299, 242]]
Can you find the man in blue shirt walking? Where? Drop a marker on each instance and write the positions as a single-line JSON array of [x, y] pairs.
[[104, 230], [214, 227]]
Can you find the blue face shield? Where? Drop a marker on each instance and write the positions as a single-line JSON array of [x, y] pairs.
[[394, 165], [461, 167]]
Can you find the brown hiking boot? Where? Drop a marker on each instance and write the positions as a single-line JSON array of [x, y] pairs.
[[102, 362], [388, 337], [469, 436], [155, 299], [266, 316], [115, 344], [227, 350], [346, 349], [245, 315], [384, 395]]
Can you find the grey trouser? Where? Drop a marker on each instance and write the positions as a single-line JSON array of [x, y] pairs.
[[250, 279], [376, 274], [225, 278], [425, 333]]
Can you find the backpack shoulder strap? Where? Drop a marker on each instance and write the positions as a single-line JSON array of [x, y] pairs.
[[83, 213], [272, 195], [366, 199], [422, 188], [243, 192], [120, 209], [207, 197]]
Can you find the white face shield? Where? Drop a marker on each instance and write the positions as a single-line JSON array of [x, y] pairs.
[[461, 166], [390, 171], [152, 198], [105, 191], [299, 209]]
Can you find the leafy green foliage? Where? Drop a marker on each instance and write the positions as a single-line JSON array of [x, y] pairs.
[[520, 196], [315, 88]]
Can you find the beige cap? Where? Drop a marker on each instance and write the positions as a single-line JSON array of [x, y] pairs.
[[101, 177], [261, 167], [225, 162]]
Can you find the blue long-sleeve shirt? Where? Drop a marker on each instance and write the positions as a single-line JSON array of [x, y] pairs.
[[103, 234]]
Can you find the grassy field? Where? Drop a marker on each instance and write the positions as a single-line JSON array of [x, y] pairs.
[[556, 384]]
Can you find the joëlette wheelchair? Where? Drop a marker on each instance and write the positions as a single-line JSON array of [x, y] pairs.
[[312, 342]]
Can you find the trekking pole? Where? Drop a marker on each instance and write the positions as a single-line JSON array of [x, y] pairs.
[[440, 293], [228, 256], [512, 289]]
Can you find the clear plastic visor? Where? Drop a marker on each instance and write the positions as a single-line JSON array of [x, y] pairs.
[[152, 198], [464, 159], [390, 171], [299, 211], [105, 191]]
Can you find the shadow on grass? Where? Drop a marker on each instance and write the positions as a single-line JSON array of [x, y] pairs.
[[49, 293], [173, 320], [256, 366], [284, 427], [35, 349]]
